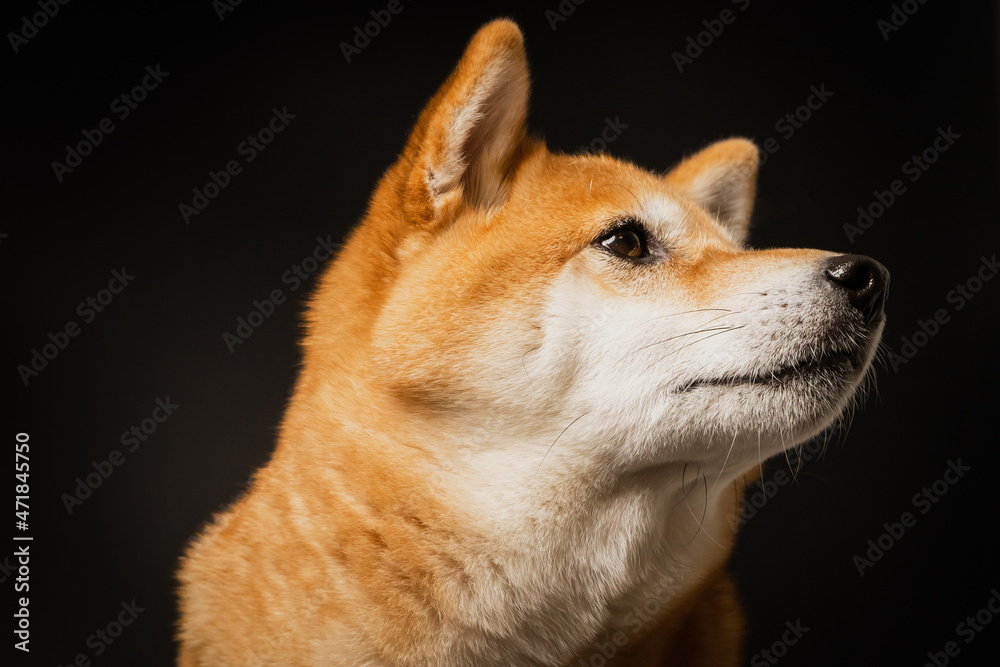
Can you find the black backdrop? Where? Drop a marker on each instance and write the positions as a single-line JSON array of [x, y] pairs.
[[160, 337]]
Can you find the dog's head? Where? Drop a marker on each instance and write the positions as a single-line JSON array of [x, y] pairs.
[[518, 297]]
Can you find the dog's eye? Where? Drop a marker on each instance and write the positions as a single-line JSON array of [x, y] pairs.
[[625, 241]]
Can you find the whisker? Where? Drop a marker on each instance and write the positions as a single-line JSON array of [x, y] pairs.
[[632, 194], [553, 445], [687, 493], [525, 368], [724, 330], [704, 513], [725, 313], [760, 461], [696, 310], [689, 333], [728, 454], [788, 461]]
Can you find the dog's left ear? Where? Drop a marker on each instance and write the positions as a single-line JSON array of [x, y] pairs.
[[467, 139], [722, 179]]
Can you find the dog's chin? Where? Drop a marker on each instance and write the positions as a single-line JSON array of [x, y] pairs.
[[836, 367], [805, 395], [832, 370]]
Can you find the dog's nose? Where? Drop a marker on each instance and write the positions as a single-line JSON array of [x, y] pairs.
[[864, 281]]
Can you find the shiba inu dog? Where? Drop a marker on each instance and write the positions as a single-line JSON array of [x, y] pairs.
[[534, 384]]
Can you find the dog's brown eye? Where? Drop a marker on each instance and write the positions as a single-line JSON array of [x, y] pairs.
[[625, 241]]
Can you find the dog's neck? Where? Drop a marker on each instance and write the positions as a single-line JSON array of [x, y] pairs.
[[621, 546], [542, 547]]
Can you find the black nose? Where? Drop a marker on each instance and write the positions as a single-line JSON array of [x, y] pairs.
[[864, 281]]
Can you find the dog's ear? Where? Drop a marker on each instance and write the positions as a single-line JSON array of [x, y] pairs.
[[467, 139], [721, 178]]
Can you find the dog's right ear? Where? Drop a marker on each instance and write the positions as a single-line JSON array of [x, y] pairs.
[[466, 142]]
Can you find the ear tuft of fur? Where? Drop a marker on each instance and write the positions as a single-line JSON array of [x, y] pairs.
[[467, 138], [722, 179]]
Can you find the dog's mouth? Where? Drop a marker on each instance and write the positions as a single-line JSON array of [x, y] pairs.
[[831, 365]]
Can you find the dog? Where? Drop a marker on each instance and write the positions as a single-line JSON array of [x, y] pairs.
[[534, 386]]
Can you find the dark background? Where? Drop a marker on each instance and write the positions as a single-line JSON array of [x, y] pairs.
[[162, 336]]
